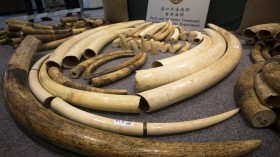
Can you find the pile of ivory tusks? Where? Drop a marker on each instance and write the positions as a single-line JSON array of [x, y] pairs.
[[266, 40], [63, 132], [51, 36], [258, 89], [83, 139]]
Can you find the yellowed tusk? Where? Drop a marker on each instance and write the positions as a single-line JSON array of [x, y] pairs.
[[204, 45], [181, 89], [184, 35], [154, 47], [164, 48], [186, 47], [145, 30], [133, 45], [138, 28], [123, 42], [169, 35], [155, 77], [149, 34], [176, 47]]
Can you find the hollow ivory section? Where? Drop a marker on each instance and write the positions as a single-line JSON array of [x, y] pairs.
[[181, 89], [204, 45], [155, 77], [92, 100]]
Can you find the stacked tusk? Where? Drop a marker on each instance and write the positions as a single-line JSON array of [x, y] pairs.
[[271, 73], [181, 89], [155, 77], [256, 55]]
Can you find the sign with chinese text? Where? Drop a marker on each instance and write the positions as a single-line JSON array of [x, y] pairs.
[[191, 14]]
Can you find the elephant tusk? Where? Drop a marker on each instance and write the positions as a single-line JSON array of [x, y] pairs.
[[170, 33], [61, 51], [133, 45], [103, 60], [255, 112], [252, 31], [154, 47], [204, 45], [266, 52], [52, 44], [174, 48], [26, 109], [119, 74], [138, 28], [167, 24], [164, 33], [256, 55], [187, 47], [181, 89], [49, 38], [155, 77], [268, 96], [31, 31], [79, 69], [271, 72], [123, 42], [57, 76], [149, 34], [175, 36], [195, 37]]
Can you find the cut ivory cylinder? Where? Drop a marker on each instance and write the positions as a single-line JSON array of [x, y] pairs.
[[155, 77], [102, 101], [61, 51], [181, 89], [204, 45]]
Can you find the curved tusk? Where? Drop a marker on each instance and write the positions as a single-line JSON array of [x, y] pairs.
[[174, 48], [52, 45], [138, 28], [251, 32], [195, 37], [102, 101], [119, 74], [73, 56], [61, 51], [79, 69], [187, 47], [117, 67], [164, 33], [255, 112], [170, 33], [181, 89], [57, 76], [204, 45], [133, 45], [49, 38], [149, 34], [271, 72], [256, 55], [163, 29], [103, 60], [31, 31], [155, 77], [266, 52], [62, 132], [268, 96]]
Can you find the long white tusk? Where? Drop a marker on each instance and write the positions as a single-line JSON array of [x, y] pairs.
[[155, 77], [102, 101], [173, 92], [204, 45]]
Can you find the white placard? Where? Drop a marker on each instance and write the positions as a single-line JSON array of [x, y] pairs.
[[123, 123], [191, 14]]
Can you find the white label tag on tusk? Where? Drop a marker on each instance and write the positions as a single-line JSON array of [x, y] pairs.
[[236, 46], [123, 123]]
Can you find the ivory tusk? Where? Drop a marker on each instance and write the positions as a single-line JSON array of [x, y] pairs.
[[70, 19], [156, 77], [163, 48], [58, 77], [187, 47], [31, 31], [271, 72], [145, 46], [79, 69], [184, 35], [174, 48], [149, 34], [154, 47], [204, 45], [150, 27], [52, 45], [48, 38], [26, 109], [168, 23], [251, 32], [119, 74], [266, 52], [163, 34], [123, 42], [265, 93], [103, 60], [74, 55], [175, 36], [117, 67], [256, 55], [267, 33], [133, 45], [138, 28], [181, 89], [195, 38], [116, 42], [171, 32], [60, 52], [102, 101], [255, 112]]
